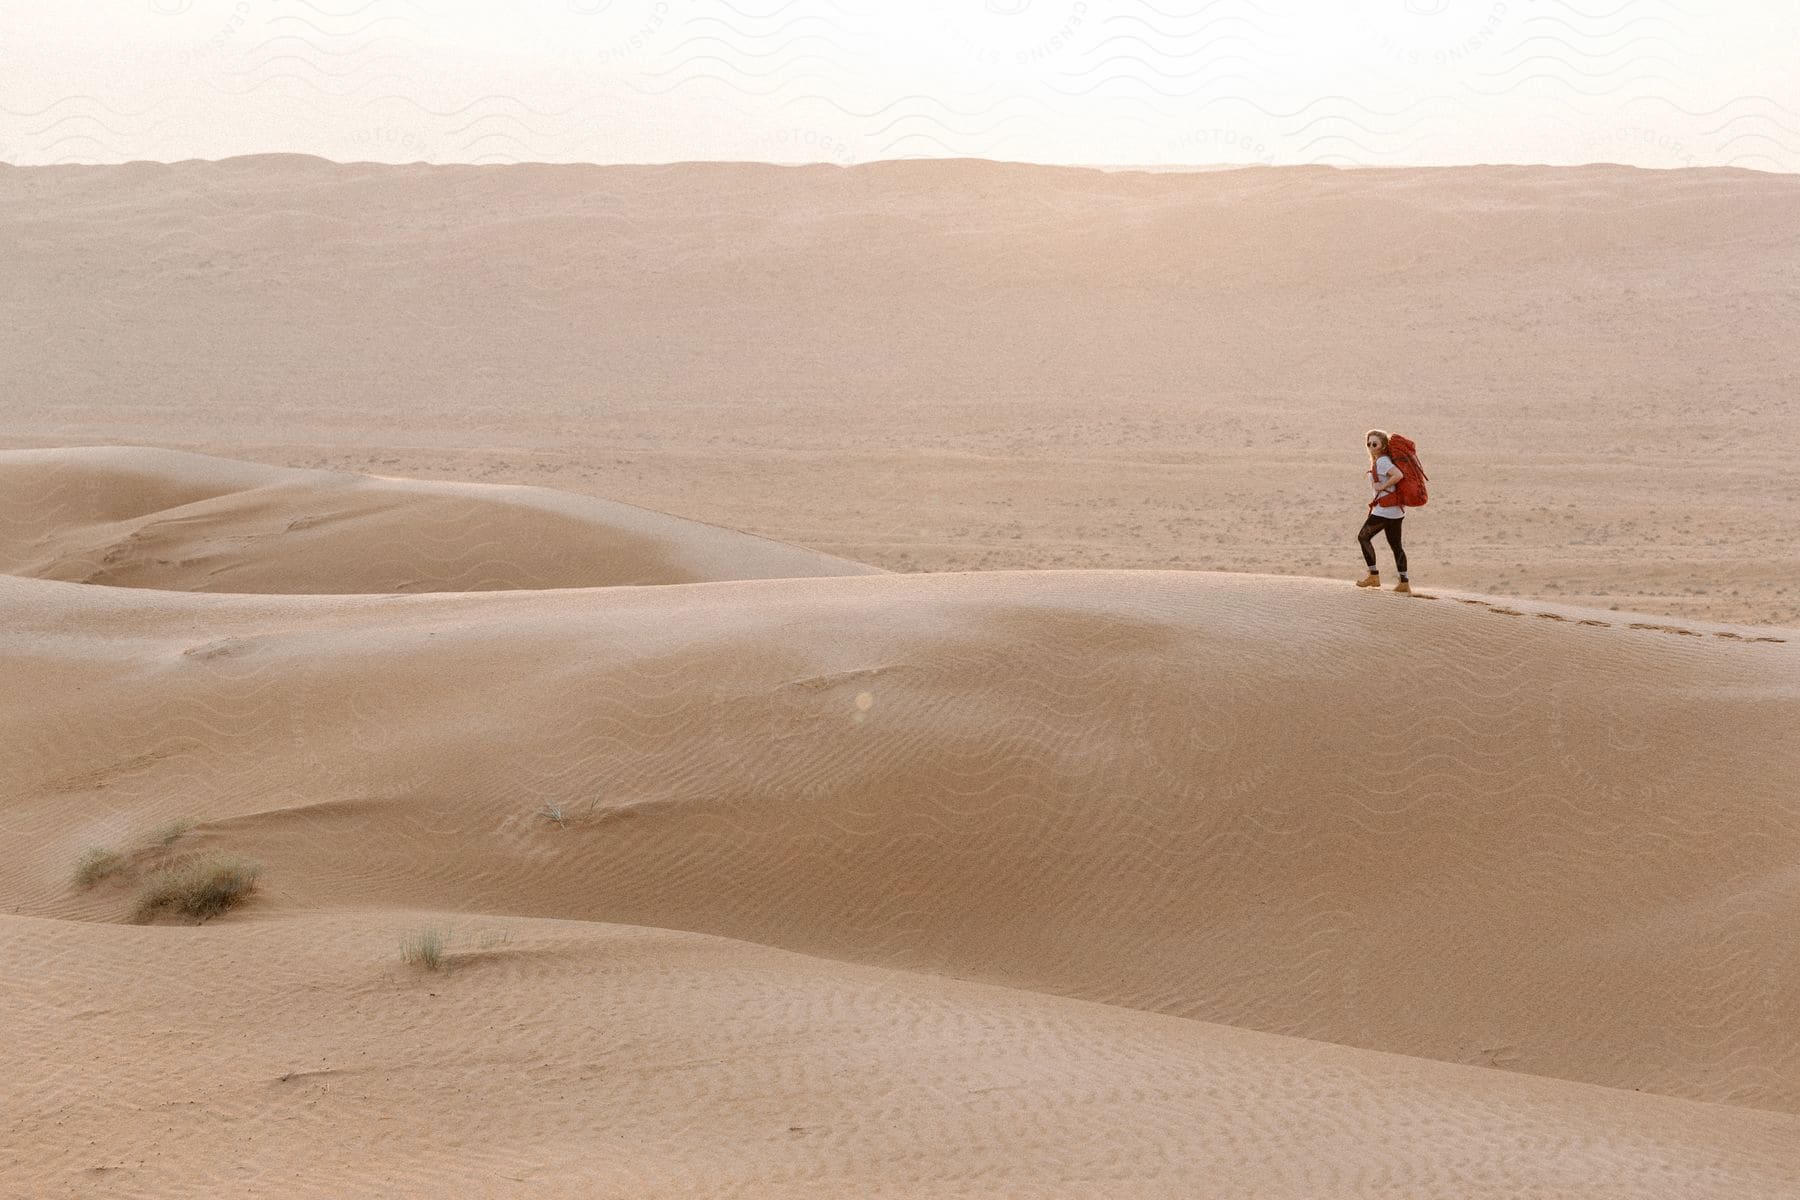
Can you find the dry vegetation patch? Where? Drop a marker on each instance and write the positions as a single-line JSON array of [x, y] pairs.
[[197, 888], [193, 886], [97, 864], [423, 949]]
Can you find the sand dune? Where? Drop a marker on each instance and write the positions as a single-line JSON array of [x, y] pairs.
[[290, 1054], [143, 517], [1182, 792], [1569, 855], [967, 365], [775, 873]]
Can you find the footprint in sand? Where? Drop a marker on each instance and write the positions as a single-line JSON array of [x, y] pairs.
[[1513, 612]]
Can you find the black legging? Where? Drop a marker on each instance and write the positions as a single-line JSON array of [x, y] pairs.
[[1389, 526]]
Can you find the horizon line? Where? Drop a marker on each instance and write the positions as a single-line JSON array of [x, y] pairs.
[[799, 164]]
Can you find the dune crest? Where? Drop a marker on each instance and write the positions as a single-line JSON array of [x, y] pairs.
[[132, 516]]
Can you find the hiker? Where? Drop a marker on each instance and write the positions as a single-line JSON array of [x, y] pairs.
[[1384, 478]]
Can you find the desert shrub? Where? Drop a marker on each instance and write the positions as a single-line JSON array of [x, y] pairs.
[[96, 865], [100, 863], [198, 888], [423, 949], [167, 835], [563, 813]]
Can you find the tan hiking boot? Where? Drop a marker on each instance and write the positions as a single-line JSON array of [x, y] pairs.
[[1371, 580], [1402, 587]]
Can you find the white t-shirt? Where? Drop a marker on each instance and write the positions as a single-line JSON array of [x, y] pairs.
[[1383, 465]]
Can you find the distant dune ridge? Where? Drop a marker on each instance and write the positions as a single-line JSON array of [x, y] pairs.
[[144, 517], [970, 365], [1069, 883]]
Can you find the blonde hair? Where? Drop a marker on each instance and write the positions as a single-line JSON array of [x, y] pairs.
[[1376, 433]]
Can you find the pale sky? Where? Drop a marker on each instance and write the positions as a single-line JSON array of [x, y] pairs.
[[1146, 82]]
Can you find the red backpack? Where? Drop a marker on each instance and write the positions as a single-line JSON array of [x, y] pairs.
[[1410, 491]]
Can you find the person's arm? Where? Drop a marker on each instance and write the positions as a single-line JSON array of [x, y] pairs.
[[1386, 482]]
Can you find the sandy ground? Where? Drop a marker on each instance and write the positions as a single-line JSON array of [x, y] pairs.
[[1065, 883], [700, 595], [963, 365], [580, 1060]]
